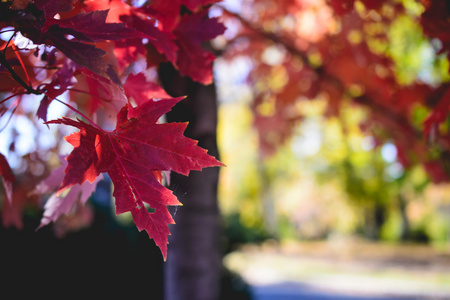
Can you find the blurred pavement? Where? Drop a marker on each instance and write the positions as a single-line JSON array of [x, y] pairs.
[[356, 271], [299, 291]]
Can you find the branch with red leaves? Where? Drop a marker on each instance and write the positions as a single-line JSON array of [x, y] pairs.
[[100, 54]]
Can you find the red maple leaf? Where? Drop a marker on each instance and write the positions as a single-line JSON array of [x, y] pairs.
[[168, 12], [192, 31], [163, 41], [127, 52], [182, 46], [133, 155], [139, 89]]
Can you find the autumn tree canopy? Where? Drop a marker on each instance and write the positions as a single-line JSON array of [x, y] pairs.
[[364, 53]]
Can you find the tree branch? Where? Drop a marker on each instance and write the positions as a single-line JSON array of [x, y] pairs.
[[365, 100], [14, 75]]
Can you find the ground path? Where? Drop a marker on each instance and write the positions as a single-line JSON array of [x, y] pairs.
[[343, 270]]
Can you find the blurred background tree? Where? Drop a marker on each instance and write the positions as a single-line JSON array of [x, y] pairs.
[[345, 109]]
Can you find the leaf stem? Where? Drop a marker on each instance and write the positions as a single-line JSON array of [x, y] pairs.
[[80, 113], [12, 113], [16, 53], [92, 94], [9, 97], [8, 30]]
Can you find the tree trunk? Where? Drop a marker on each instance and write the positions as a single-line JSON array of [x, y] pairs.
[[405, 222], [193, 267]]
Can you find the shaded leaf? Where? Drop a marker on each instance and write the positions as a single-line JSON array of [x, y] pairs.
[[92, 26], [56, 206], [86, 55], [7, 177], [52, 7], [20, 4]]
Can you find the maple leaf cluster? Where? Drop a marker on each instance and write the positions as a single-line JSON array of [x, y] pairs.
[[337, 50], [101, 57]]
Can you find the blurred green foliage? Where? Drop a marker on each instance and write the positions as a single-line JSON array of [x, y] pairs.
[[344, 184]]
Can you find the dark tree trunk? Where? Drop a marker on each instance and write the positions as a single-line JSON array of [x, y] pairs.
[[405, 222], [193, 267], [380, 218]]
